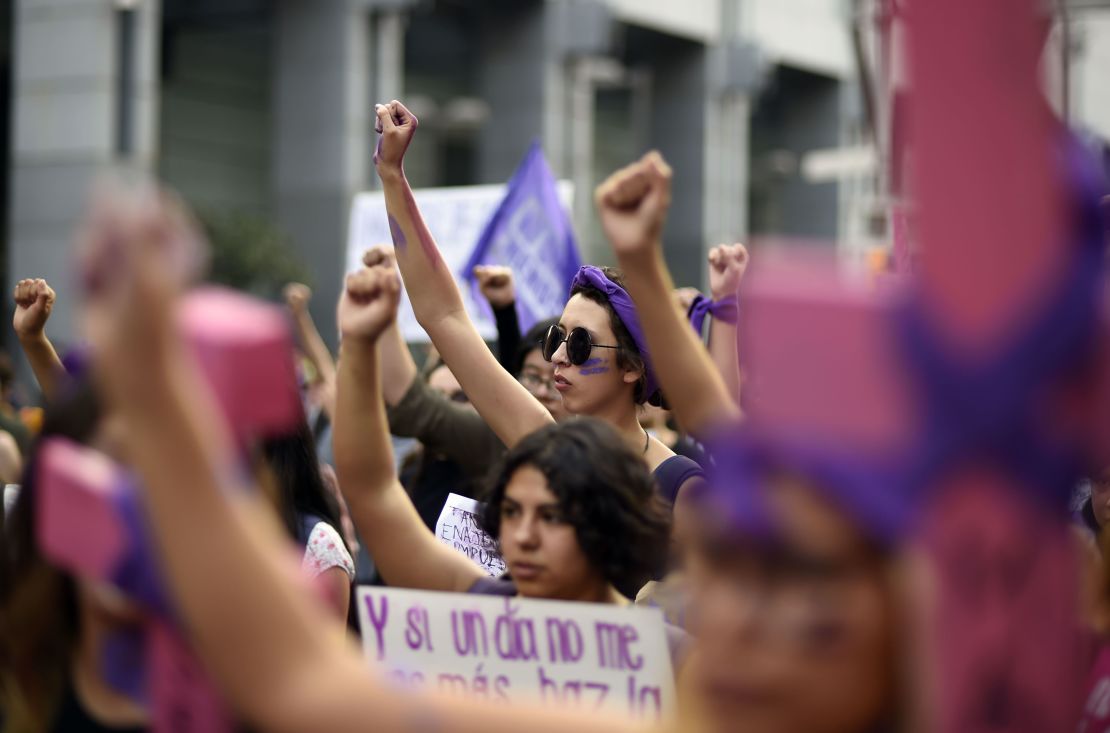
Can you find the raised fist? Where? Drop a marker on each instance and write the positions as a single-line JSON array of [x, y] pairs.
[[34, 300], [496, 284], [727, 264], [138, 249], [380, 255], [396, 127], [632, 204], [297, 296], [369, 302]]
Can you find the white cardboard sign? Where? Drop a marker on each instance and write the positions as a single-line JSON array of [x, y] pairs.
[[456, 217], [458, 527], [596, 657]]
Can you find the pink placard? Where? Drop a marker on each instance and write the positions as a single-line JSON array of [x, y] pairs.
[[77, 525], [245, 351]]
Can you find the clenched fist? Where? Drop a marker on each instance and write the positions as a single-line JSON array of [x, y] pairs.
[[34, 300], [632, 204], [727, 265], [496, 284], [297, 296], [369, 302], [396, 126]]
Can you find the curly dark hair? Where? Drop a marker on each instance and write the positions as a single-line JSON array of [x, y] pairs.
[[605, 491], [628, 355]]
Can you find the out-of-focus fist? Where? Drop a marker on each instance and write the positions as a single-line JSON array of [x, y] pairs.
[[496, 284], [297, 296], [380, 255], [396, 127], [632, 205], [684, 298], [368, 304], [34, 301], [727, 265], [138, 250]]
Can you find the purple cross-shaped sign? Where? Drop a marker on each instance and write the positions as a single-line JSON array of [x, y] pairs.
[[974, 391]]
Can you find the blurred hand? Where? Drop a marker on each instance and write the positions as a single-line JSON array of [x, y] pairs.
[[380, 255], [496, 284], [138, 250], [684, 298], [34, 301], [396, 126], [727, 265], [632, 204], [297, 296], [369, 302]]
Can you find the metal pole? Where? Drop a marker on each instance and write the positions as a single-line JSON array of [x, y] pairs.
[[125, 81]]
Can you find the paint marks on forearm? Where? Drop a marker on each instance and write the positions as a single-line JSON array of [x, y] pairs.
[[427, 244], [594, 366], [397, 233]]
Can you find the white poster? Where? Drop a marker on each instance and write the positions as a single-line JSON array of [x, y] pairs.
[[458, 527], [593, 656], [456, 217]]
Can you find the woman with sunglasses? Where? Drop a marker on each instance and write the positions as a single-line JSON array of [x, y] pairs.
[[602, 365]]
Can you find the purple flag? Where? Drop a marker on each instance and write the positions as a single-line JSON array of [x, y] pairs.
[[531, 233]]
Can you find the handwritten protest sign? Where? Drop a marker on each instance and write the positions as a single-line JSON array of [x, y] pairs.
[[456, 217], [592, 656], [458, 527]]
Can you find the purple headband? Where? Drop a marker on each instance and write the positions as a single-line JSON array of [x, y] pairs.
[[592, 277]]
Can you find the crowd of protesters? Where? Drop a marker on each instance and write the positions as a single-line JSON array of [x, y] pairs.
[[587, 440]]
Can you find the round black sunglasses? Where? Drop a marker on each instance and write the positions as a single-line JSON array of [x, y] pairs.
[[579, 344]]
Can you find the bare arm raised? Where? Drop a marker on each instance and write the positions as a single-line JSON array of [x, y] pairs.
[[34, 301], [727, 265], [506, 406], [633, 205], [296, 298], [406, 553]]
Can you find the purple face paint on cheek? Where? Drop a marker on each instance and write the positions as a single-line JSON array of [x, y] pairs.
[[592, 367], [397, 233]]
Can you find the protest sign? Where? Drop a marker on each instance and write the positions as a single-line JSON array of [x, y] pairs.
[[456, 217], [592, 656], [458, 527]]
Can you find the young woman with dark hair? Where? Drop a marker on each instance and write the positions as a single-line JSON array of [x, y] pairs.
[[602, 365], [572, 508]]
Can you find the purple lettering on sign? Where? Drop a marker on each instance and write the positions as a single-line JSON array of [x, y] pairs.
[[514, 638], [644, 700], [418, 632], [564, 640], [378, 622], [470, 634], [614, 642]]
